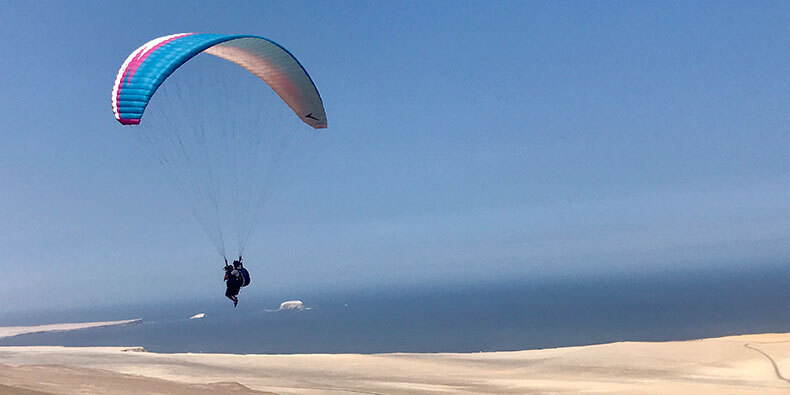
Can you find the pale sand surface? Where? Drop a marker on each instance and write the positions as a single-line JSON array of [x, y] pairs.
[[749, 364], [8, 331]]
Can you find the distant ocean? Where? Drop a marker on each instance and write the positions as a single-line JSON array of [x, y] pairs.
[[462, 318]]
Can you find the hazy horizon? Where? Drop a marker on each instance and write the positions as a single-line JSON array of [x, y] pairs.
[[472, 317]]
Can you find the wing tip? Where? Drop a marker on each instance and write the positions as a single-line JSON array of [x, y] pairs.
[[129, 121]]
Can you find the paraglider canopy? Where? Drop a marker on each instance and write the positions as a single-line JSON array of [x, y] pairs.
[[147, 67], [215, 127]]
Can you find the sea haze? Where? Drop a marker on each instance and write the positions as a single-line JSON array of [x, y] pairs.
[[462, 318]]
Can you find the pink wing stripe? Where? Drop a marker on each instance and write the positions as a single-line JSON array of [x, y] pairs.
[[136, 59]]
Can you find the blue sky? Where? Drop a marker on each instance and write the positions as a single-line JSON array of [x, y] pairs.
[[467, 141]]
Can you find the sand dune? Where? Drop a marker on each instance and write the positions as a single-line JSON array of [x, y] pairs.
[[749, 364]]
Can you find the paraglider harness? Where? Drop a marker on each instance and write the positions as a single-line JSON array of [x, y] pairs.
[[243, 276]]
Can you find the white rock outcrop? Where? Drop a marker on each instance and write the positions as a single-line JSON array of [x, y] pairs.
[[292, 305]]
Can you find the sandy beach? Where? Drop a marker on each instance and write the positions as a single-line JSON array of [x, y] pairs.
[[735, 365], [8, 331]]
